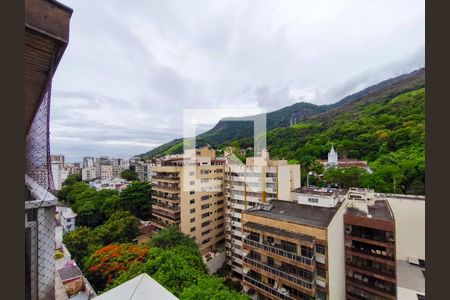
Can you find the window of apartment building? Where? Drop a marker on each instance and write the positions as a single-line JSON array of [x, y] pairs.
[[288, 246], [206, 197], [270, 174], [192, 173], [192, 229], [192, 182], [236, 219], [220, 225], [306, 251], [320, 249], [192, 210], [205, 206], [206, 241], [220, 234], [237, 237], [322, 273], [313, 200], [204, 172], [206, 223], [219, 218], [191, 192], [192, 220], [206, 232], [219, 210], [219, 202], [205, 215], [192, 201]]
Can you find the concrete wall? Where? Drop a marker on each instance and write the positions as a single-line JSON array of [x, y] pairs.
[[215, 263], [410, 227], [336, 255]]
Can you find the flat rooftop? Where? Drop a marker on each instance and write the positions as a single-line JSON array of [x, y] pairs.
[[319, 191], [410, 277], [380, 210], [296, 213]]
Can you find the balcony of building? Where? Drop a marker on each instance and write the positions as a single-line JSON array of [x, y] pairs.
[[370, 235], [164, 196], [253, 281], [369, 267], [371, 285], [165, 187], [165, 206], [289, 275], [370, 251]]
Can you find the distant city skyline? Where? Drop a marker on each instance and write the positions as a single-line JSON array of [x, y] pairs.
[[130, 70]]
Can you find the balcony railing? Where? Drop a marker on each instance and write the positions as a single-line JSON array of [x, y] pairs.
[[173, 208], [166, 177], [303, 259], [172, 216], [371, 252], [373, 237], [388, 273], [167, 197], [166, 187], [307, 284], [377, 287], [268, 289]]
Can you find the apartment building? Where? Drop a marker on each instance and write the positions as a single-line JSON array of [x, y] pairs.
[[188, 193], [106, 172], [88, 162], [59, 174], [370, 247], [295, 251], [117, 169], [89, 173], [249, 185], [58, 158]]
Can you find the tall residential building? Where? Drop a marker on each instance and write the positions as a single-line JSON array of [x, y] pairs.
[[58, 158], [88, 162], [249, 185], [106, 172], [295, 251], [46, 38], [89, 173], [59, 174], [142, 169], [188, 193], [117, 169], [370, 247]]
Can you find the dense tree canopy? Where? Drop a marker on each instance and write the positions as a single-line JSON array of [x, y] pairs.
[[129, 175], [136, 198]]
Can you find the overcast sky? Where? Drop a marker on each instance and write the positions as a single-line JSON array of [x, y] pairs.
[[131, 67]]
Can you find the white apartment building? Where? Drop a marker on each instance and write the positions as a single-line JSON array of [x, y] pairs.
[[88, 173], [247, 186], [66, 217], [59, 173], [88, 162], [106, 172]]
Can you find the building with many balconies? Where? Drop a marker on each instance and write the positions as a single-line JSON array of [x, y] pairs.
[[370, 247], [249, 185], [293, 251], [188, 193]]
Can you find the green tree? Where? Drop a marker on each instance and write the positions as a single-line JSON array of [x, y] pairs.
[[171, 237], [136, 198], [80, 243], [129, 175], [210, 287], [121, 227]]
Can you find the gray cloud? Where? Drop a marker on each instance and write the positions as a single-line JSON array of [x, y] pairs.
[[131, 68]]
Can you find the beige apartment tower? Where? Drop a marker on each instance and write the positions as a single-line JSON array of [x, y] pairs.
[[188, 193], [249, 185]]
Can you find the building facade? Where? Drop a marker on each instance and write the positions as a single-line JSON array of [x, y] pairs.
[[249, 185], [188, 193], [292, 251], [370, 247], [88, 173]]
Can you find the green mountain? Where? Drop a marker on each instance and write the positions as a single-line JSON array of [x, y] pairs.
[[231, 129]]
